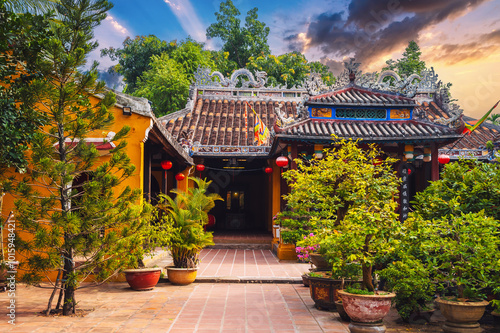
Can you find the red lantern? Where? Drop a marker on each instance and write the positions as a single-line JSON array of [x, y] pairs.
[[180, 177], [444, 159], [377, 161], [282, 161], [166, 165], [268, 170], [200, 167]]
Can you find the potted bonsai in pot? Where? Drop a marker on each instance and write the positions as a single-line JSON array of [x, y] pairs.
[[414, 288], [153, 236], [187, 214], [456, 225], [462, 255], [351, 194]]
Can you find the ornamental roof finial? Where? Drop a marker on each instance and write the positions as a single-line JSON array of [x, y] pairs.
[[352, 67]]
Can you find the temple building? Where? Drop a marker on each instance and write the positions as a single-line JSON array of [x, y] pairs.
[[410, 119]]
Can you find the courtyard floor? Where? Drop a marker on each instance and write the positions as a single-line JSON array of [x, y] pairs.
[[200, 307]]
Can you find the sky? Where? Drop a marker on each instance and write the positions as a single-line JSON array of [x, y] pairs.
[[459, 38]]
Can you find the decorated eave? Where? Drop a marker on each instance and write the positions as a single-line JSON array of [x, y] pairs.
[[156, 132], [356, 107]]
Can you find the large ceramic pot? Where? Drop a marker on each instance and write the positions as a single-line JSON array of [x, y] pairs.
[[181, 276], [142, 278], [324, 291], [461, 317], [366, 311], [340, 309], [320, 262]]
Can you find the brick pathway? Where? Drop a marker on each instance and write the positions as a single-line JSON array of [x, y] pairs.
[[247, 264]]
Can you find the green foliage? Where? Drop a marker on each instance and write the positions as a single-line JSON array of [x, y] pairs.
[[239, 42], [30, 6], [68, 202], [413, 286], [135, 56], [166, 85], [190, 55], [494, 118], [464, 187], [358, 291], [457, 251], [186, 215], [289, 69], [410, 63], [350, 202], [21, 40]]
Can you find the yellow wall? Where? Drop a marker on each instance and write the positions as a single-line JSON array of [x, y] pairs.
[[138, 128]]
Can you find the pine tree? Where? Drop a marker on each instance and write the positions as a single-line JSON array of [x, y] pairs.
[[78, 223]]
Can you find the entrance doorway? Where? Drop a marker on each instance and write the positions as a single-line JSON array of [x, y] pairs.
[[246, 206]]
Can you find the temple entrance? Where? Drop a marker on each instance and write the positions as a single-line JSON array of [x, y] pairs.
[[244, 186]]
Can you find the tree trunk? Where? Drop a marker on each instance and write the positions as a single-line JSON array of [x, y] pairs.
[[49, 305], [69, 292], [367, 277]]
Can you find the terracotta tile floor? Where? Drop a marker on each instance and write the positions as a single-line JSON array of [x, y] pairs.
[[205, 307], [247, 263]]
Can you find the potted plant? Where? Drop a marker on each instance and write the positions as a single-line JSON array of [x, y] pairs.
[[412, 283], [456, 227], [153, 235], [350, 195], [186, 215], [463, 258]]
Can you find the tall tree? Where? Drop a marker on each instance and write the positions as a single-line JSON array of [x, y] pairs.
[[166, 83], [240, 42], [289, 69], [21, 40], [410, 63], [68, 202], [135, 56], [31, 6]]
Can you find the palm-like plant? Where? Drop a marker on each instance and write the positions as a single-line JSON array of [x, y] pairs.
[[494, 119], [31, 6], [187, 214]]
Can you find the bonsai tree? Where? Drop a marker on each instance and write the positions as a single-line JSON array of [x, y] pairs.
[[350, 196], [413, 285], [466, 186], [460, 252], [186, 215]]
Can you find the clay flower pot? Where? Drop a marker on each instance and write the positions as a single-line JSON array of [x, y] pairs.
[[366, 311], [461, 316], [181, 276], [142, 278]]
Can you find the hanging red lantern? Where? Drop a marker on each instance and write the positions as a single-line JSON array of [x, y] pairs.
[[200, 167], [180, 177], [268, 170], [443, 159], [377, 161], [166, 165], [282, 161]]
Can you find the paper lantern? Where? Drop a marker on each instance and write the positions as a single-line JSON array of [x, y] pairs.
[[377, 161], [166, 165], [282, 161], [409, 152], [318, 151], [200, 167], [427, 154], [444, 159], [180, 177], [268, 170]]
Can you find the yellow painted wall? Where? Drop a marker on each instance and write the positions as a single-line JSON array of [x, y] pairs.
[[139, 125]]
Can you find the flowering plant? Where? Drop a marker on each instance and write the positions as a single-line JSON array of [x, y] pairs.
[[307, 245]]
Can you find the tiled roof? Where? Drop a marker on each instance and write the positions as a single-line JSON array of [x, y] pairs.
[[359, 96], [476, 140], [221, 121], [371, 131]]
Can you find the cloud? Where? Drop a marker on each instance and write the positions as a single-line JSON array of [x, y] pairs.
[[116, 25], [187, 18], [370, 29], [482, 47]]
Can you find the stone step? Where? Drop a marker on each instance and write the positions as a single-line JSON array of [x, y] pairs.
[[240, 246]]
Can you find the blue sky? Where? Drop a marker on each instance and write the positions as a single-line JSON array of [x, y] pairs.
[[459, 38]]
